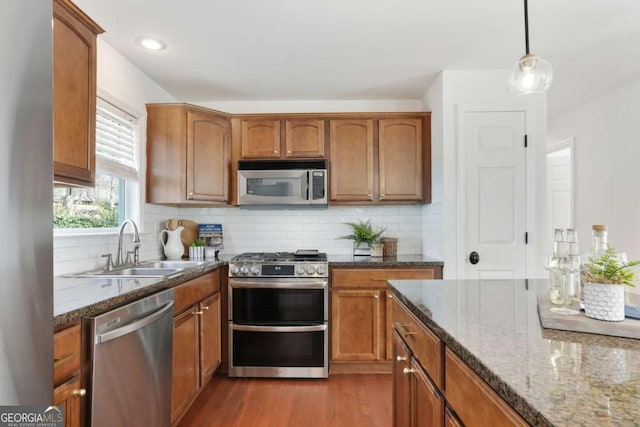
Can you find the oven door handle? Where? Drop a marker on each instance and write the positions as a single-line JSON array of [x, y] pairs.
[[251, 328], [307, 284]]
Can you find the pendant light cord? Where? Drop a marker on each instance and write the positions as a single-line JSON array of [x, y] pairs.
[[526, 27]]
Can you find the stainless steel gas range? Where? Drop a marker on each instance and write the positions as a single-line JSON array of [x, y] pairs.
[[278, 315]]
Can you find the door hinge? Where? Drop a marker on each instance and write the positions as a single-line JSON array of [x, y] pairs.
[[526, 237], [526, 142]]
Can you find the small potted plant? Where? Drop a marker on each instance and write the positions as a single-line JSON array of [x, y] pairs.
[[366, 240], [603, 289]]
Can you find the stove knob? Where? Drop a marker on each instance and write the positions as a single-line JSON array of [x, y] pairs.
[[300, 270], [244, 270], [255, 270], [321, 269], [235, 270], [311, 269]]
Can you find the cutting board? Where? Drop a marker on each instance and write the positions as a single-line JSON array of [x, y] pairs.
[[189, 234], [628, 328]]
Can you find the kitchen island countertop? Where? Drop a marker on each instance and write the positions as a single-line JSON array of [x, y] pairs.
[[550, 377]]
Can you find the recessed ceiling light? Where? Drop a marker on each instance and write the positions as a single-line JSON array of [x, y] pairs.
[[151, 43]]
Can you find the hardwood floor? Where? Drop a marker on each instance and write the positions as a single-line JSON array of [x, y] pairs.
[[342, 400]]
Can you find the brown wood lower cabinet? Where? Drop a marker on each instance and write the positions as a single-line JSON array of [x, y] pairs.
[[424, 396], [361, 316], [67, 391], [196, 340]]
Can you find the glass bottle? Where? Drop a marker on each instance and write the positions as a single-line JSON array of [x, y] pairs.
[[553, 264], [573, 291], [599, 244]]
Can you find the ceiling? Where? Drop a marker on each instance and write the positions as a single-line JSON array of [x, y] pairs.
[[236, 50]]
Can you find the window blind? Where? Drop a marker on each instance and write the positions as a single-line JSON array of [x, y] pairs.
[[116, 141]]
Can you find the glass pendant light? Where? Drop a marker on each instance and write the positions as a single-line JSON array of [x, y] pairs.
[[531, 74]]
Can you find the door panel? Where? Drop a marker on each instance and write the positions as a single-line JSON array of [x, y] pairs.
[[494, 194]]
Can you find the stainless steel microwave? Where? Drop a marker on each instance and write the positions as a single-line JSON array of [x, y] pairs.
[[282, 184]]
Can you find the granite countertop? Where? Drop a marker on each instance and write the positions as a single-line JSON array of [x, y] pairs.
[[77, 297], [550, 377], [397, 261]]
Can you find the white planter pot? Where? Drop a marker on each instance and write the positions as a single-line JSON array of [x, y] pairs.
[[604, 301], [362, 249]]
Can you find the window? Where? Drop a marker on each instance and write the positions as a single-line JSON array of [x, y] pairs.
[[116, 183]]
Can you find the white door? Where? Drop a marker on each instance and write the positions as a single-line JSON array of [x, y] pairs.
[[494, 195], [560, 186]]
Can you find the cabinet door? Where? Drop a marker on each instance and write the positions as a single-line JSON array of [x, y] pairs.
[[209, 337], [186, 375], [426, 401], [260, 139], [450, 420], [208, 157], [401, 160], [74, 95], [401, 383], [475, 403], [351, 157], [304, 138], [357, 322], [69, 395]]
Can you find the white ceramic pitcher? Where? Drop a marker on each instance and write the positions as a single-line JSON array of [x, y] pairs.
[[173, 249]]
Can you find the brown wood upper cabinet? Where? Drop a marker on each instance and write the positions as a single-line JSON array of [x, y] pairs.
[[264, 139], [74, 94], [188, 155], [380, 160]]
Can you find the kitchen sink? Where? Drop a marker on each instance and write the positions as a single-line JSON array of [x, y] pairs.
[[158, 269], [171, 264], [140, 272]]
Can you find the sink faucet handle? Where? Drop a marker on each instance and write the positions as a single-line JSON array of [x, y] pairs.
[[109, 261], [136, 253], [128, 260]]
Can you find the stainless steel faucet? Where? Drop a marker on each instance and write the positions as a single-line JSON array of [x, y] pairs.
[[136, 247]]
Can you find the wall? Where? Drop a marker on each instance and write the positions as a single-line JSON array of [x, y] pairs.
[[486, 90], [244, 231], [432, 219], [287, 230], [607, 176], [121, 81]]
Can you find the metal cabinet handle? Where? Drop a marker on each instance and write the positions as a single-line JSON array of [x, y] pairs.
[[206, 307], [401, 358], [370, 196], [390, 296], [275, 151], [62, 360], [198, 313], [289, 152], [376, 296], [382, 196], [81, 392], [408, 371]]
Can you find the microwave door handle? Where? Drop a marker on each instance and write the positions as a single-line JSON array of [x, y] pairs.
[[308, 184]]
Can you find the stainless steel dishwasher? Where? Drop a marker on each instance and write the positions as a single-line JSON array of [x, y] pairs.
[[130, 363]]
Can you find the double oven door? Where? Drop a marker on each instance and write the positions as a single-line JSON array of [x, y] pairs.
[[278, 327]]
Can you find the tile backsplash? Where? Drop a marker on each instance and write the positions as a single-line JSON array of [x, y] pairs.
[[250, 231]]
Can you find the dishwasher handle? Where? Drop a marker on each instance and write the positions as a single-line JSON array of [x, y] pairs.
[[133, 326]]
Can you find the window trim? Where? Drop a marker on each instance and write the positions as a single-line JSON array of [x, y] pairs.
[[134, 202]]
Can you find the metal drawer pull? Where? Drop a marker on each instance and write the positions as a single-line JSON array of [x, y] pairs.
[[206, 307], [62, 360], [408, 371], [198, 313], [401, 358], [79, 393]]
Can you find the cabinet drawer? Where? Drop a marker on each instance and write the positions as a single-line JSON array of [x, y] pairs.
[[376, 277], [473, 400], [194, 291], [426, 346], [66, 354]]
